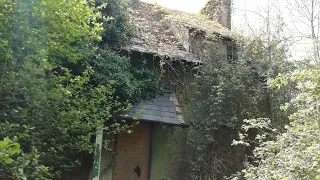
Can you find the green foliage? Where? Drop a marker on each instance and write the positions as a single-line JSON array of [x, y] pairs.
[[133, 81], [8, 150], [293, 154], [227, 92], [18, 165], [52, 108], [116, 27], [61, 113], [261, 125], [46, 30]]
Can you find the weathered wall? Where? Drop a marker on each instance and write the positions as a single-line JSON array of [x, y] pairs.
[[132, 153], [168, 151], [167, 154], [107, 156]]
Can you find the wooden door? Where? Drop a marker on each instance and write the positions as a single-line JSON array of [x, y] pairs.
[[132, 154]]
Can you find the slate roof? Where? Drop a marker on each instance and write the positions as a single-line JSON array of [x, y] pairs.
[[166, 32], [162, 109]]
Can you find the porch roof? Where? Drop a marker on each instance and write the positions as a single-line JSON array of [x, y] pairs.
[[162, 109]]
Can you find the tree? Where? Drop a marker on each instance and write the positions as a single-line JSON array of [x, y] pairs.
[[292, 153], [52, 91], [305, 20], [227, 92]]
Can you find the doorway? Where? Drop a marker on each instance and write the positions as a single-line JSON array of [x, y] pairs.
[[133, 153]]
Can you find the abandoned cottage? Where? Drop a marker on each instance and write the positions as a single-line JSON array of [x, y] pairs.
[[175, 42]]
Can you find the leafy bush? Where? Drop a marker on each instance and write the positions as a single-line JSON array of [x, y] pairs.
[[61, 113], [116, 25], [48, 106], [293, 154], [18, 165], [227, 91], [132, 82]]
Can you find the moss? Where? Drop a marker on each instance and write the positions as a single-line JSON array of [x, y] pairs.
[[165, 32]]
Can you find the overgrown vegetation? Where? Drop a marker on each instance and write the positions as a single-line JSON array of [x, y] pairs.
[[227, 92], [13, 162], [293, 154], [59, 79], [269, 98]]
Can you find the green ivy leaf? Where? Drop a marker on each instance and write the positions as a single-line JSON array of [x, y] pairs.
[[15, 148], [8, 160], [4, 143]]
